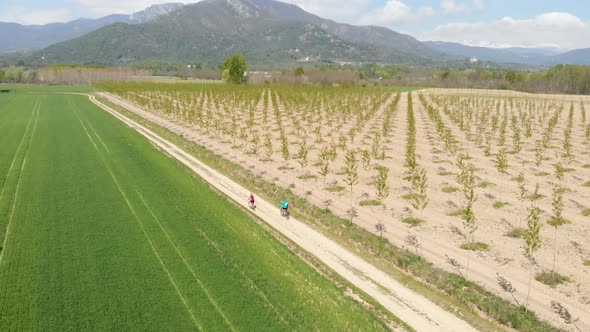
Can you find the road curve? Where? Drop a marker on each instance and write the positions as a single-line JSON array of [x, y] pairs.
[[414, 309]]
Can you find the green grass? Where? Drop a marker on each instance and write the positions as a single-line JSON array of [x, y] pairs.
[[449, 190], [108, 233], [517, 233], [370, 202], [413, 221], [411, 196], [586, 263], [586, 212], [556, 222], [26, 88], [449, 290], [541, 174], [552, 278], [586, 166], [456, 213], [475, 246], [485, 184], [534, 197], [499, 205], [587, 184], [335, 189], [445, 173], [307, 177]]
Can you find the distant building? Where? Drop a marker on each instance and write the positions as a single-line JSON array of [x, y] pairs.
[[473, 60]]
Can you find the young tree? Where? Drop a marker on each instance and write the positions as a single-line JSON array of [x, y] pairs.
[[413, 241], [380, 228], [255, 147], [564, 314], [285, 149], [419, 185], [366, 158], [532, 238], [324, 171], [303, 154], [352, 213], [234, 69], [468, 216], [507, 287], [381, 183], [268, 149], [521, 196], [539, 153], [502, 161], [299, 71], [557, 219], [351, 170]]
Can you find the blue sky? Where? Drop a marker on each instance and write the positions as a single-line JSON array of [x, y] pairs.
[[563, 24]]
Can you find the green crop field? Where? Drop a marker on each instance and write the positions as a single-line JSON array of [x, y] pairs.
[[101, 231]]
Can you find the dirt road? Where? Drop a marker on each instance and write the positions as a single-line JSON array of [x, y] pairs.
[[413, 308]]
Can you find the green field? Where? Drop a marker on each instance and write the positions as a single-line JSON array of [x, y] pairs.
[[101, 231]]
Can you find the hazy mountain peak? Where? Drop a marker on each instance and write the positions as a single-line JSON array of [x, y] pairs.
[[153, 12]]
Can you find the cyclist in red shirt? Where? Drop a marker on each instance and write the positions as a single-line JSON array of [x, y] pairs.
[[251, 202]]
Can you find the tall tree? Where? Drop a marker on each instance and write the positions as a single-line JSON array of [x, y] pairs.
[[234, 69]]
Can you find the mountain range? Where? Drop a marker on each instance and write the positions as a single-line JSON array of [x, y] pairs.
[[265, 31], [17, 37], [519, 55]]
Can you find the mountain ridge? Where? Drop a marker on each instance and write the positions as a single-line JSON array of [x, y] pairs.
[[264, 30], [518, 55], [18, 37]]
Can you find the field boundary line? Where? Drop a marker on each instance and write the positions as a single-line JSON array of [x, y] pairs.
[[155, 251], [250, 282], [167, 235], [209, 297], [16, 152], [423, 314], [11, 217]]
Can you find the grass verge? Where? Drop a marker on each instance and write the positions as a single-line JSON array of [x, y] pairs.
[[451, 291]]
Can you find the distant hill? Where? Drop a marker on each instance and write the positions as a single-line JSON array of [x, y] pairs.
[[579, 57], [17, 37], [263, 30], [519, 55]]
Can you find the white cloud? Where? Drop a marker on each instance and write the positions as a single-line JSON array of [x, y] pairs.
[[395, 12], [452, 7], [23, 16], [478, 4], [562, 30]]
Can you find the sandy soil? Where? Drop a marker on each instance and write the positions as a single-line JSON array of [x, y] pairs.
[[442, 234], [409, 306]]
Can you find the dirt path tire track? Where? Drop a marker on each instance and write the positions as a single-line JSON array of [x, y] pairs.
[[413, 308]]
